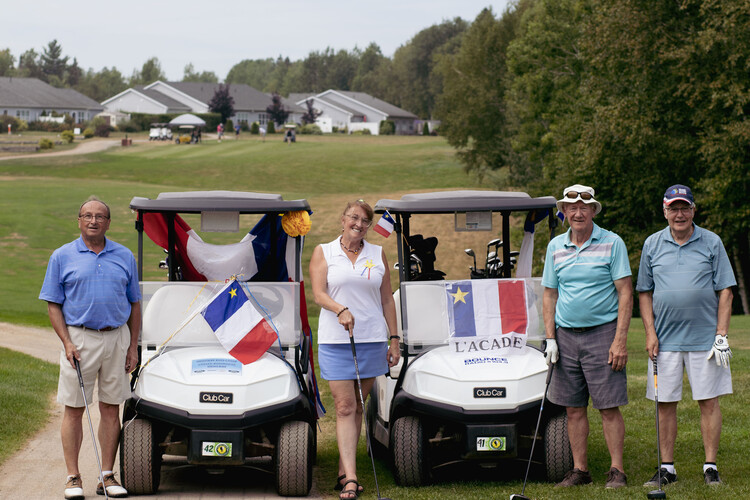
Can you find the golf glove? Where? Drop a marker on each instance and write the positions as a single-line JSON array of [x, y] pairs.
[[721, 351], [550, 351]]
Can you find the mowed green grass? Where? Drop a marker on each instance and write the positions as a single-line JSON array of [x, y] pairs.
[[40, 199]]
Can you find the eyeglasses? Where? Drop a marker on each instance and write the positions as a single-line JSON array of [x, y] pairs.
[[585, 195], [90, 217], [682, 210], [357, 219]]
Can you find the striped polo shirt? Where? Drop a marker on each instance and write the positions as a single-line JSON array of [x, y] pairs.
[[584, 277]]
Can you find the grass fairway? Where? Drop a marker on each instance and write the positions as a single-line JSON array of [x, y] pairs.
[[40, 197]]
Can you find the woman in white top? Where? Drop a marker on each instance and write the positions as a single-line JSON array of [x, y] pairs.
[[351, 284]]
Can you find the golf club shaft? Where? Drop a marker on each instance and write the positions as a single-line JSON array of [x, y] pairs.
[[538, 421], [658, 442], [364, 413], [91, 426]]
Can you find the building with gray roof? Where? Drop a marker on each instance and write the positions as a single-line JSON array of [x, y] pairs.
[[29, 99]]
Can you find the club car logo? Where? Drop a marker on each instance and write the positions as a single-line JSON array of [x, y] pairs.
[[489, 392], [216, 397]]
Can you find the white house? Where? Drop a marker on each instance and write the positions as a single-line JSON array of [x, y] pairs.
[[356, 111], [194, 97], [28, 98]]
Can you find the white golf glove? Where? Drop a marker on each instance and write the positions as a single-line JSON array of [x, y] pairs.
[[550, 351], [721, 351]]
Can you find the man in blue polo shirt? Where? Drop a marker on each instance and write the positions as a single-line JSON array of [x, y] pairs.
[[587, 303], [684, 290], [93, 300]]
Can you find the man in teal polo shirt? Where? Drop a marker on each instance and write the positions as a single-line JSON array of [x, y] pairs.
[[587, 304], [685, 297], [93, 300]]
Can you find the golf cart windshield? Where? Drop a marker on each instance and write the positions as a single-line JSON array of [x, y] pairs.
[[500, 302]]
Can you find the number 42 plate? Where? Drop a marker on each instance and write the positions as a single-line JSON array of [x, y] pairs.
[[494, 443], [216, 449]]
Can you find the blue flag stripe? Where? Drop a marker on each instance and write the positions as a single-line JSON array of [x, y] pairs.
[[224, 306], [463, 310]]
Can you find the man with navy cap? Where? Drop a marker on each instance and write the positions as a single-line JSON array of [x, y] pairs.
[[684, 285]]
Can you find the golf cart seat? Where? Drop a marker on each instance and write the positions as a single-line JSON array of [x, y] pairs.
[[424, 249]]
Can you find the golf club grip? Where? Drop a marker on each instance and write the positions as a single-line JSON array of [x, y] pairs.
[[78, 370], [549, 374]]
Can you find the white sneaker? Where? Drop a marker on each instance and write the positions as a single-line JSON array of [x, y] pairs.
[[114, 490], [74, 488]]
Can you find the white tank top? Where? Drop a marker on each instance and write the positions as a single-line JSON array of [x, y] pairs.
[[358, 288]]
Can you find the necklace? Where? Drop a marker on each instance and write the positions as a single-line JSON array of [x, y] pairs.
[[356, 251]]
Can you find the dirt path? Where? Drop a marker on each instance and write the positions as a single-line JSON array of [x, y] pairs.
[[84, 147], [37, 471]]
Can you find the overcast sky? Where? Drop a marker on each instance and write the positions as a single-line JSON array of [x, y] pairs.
[[216, 35]]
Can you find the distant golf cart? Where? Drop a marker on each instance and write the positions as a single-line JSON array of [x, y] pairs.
[[192, 403], [190, 127], [290, 134], [472, 376], [160, 132]]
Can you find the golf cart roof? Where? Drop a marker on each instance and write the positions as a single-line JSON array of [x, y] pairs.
[[218, 201], [463, 201]]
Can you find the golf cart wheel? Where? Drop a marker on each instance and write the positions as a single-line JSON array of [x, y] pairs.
[[294, 459], [140, 460], [409, 446], [558, 456]]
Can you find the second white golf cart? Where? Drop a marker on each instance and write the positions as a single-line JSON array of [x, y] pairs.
[[473, 373], [191, 399]]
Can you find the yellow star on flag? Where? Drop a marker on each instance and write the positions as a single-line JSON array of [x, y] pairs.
[[459, 295], [233, 292]]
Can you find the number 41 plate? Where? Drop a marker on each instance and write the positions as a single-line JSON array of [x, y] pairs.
[[494, 443], [216, 449]]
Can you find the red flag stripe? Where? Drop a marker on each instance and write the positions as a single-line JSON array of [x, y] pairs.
[[254, 344], [512, 295]]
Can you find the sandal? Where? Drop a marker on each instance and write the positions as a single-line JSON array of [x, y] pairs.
[[350, 494], [340, 486]]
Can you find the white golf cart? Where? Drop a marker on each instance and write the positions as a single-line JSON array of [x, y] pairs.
[[472, 379], [190, 398]]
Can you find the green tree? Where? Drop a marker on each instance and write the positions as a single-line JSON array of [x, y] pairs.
[[28, 65], [253, 72], [101, 85], [312, 114], [190, 75], [150, 72], [472, 107], [6, 63], [276, 111], [51, 61]]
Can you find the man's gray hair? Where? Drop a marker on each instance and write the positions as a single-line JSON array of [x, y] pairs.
[[94, 198]]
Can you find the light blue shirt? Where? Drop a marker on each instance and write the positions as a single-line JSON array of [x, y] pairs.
[[685, 279], [584, 277], [95, 290]]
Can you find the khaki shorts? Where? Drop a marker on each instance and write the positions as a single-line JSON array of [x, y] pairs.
[[707, 380], [103, 357]]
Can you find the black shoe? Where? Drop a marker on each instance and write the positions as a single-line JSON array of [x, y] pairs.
[[666, 478], [711, 476]]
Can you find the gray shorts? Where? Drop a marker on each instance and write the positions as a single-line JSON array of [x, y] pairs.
[[583, 371]]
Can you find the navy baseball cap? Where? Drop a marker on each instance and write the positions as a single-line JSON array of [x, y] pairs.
[[678, 192]]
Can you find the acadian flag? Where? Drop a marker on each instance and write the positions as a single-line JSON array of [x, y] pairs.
[[384, 227], [487, 307], [243, 332]]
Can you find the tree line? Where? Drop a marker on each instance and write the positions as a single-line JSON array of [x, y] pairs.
[[628, 96]]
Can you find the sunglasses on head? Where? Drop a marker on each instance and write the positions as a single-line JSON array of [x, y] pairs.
[[575, 194]]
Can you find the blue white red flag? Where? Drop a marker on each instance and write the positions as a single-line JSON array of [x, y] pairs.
[[242, 330], [487, 307], [384, 227]]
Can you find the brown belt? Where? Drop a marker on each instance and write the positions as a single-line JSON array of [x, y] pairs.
[[105, 329]]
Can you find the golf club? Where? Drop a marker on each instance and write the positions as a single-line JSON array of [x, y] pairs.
[[364, 416], [91, 427], [536, 431], [657, 493]]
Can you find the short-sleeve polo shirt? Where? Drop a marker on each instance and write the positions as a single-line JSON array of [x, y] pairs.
[[584, 277], [684, 280], [95, 290]]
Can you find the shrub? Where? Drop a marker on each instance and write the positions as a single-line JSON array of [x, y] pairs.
[[102, 130], [255, 128], [387, 127], [45, 143], [229, 127], [129, 126], [334, 129], [271, 128], [425, 129], [311, 128], [244, 126], [88, 133], [364, 131], [67, 136]]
